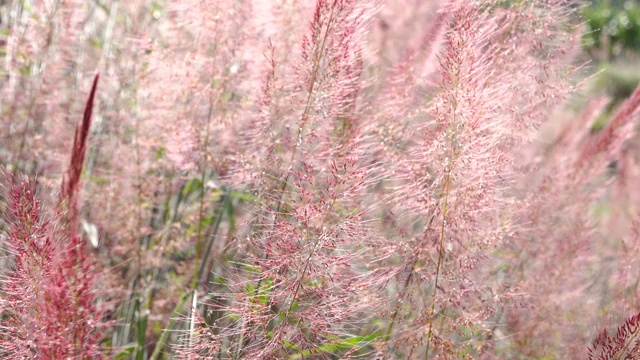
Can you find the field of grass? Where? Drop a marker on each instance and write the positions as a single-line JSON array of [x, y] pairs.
[[318, 179]]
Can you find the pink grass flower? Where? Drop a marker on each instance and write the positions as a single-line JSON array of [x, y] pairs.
[[49, 298]]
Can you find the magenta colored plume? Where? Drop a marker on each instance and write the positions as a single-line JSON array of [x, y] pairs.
[[49, 307], [70, 184]]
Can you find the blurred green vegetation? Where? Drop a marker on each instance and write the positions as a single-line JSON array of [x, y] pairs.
[[612, 27], [612, 38]]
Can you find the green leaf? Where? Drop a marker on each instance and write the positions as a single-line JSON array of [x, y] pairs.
[[340, 345], [128, 350], [242, 196], [191, 186], [289, 345]]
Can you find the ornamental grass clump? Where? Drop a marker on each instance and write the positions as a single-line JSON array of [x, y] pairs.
[[50, 309]]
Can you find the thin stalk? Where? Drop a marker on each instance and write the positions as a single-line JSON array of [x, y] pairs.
[[138, 186], [194, 282], [213, 234], [443, 225], [397, 309], [196, 267], [405, 286], [192, 319], [443, 230]]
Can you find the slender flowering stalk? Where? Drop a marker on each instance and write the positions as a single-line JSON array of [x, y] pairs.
[[71, 182]]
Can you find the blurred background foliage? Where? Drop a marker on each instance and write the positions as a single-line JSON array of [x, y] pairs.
[[612, 39], [612, 28]]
